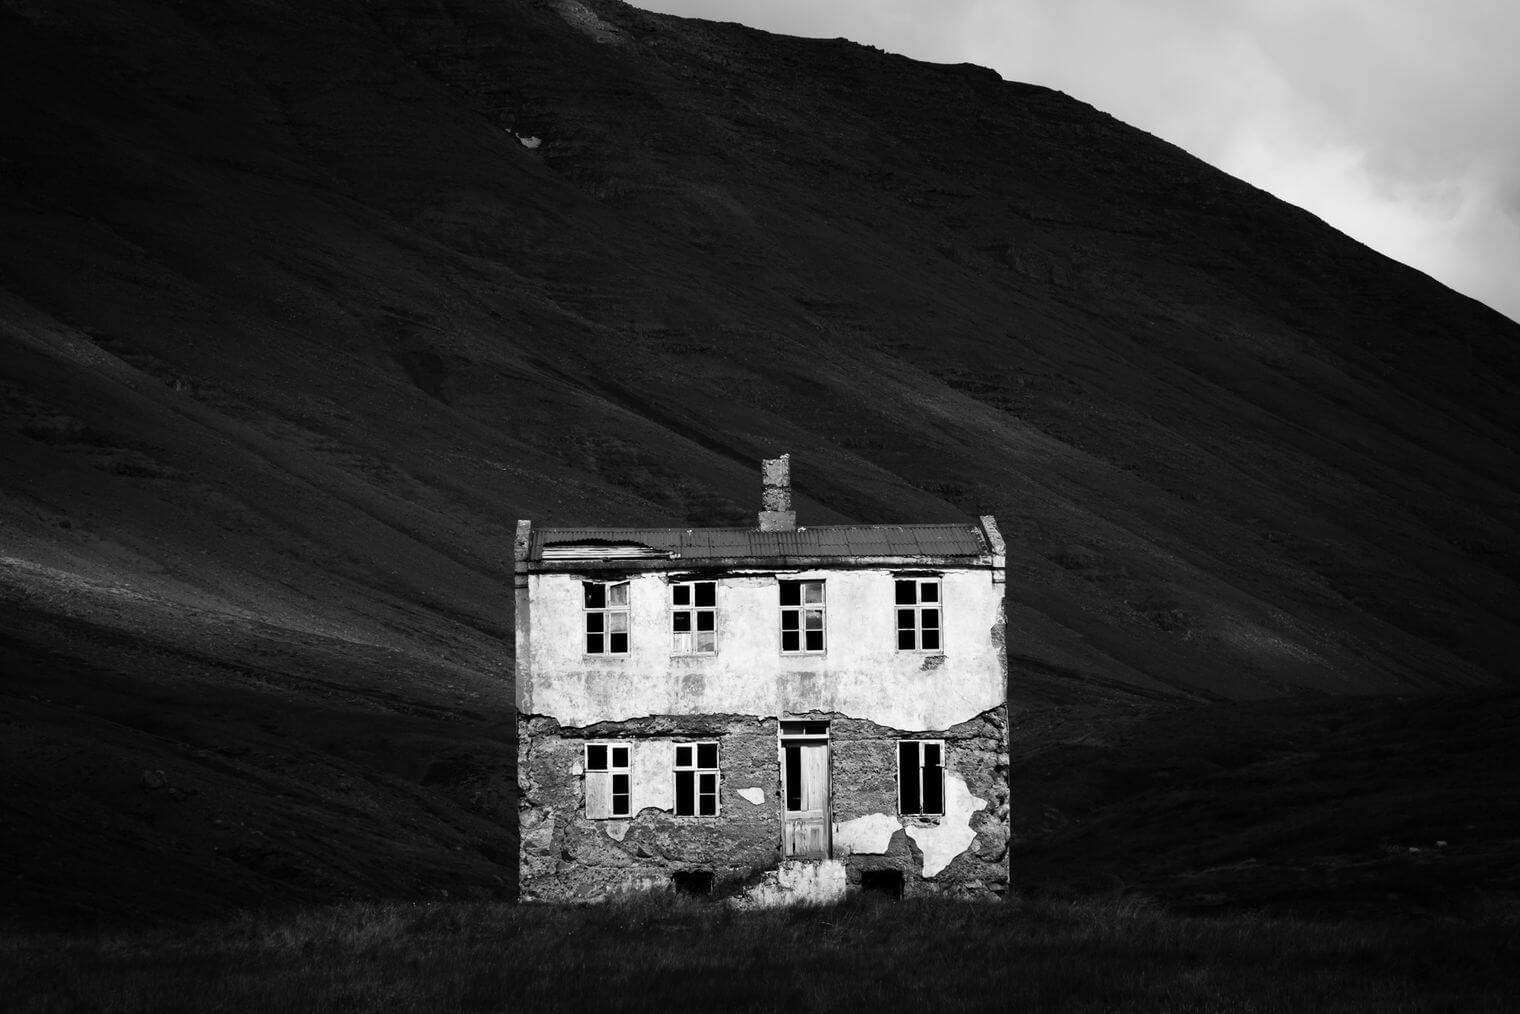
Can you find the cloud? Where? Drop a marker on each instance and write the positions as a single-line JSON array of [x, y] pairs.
[[1390, 119]]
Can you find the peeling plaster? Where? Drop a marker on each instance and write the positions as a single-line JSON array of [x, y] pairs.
[[755, 795], [953, 835], [868, 835], [798, 882], [617, 830]]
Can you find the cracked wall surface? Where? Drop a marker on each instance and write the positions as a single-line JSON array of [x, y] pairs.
[[568, 856]]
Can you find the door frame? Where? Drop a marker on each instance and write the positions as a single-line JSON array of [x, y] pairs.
[[815, 734]]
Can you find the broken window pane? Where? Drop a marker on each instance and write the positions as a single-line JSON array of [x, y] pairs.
[[793, 778], [790, 619], [697, 783], [906, 591], [620, 756], [680, 594], [596, 757], [789, 640], [596, 595], [907, 777], [931, 640], [686, 794], [814, 640], [920, 777], [905, 639], [593, 644], [707, 594], [929, 591], [594, 622], [620, 796], [705, 620], [790, 593], [934, 789], [681, 620], [618, 644]]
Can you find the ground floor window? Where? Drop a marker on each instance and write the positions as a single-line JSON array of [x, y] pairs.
[[920, 776], [696, 779], [609, 790]]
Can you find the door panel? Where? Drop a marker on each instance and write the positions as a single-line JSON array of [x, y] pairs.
[[805, 779]]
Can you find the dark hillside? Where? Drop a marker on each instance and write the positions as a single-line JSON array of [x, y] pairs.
[[293, 327]]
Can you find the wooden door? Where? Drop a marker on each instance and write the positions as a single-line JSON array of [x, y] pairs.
[[805, 784]]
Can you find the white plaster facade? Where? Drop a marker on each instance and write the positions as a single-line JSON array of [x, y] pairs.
[[860, 672]]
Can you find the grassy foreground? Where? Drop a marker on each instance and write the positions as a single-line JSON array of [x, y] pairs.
[[669, 954]]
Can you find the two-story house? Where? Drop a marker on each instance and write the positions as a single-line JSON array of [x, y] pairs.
[[774, 712]]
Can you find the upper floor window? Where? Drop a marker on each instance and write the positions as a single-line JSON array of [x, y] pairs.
[[802, 616], [609, 788], [606, 618], [697, 779], [693, 617], [920, 776], [918, 614]]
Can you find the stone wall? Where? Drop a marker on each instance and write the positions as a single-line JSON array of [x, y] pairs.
[[566, 856]]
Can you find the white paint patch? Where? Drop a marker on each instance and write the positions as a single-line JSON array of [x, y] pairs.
[[755, 795], [617, 830], [953, 835], [868, 835], [798, 882]]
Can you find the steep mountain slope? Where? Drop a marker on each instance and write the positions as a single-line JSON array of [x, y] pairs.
[[295, 326]]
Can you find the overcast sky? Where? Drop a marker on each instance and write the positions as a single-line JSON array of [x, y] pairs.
[[1396, 121]]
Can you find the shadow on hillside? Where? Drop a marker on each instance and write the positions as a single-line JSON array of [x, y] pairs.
[[146, 783]]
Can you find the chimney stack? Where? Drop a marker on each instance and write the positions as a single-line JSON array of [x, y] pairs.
[[776, 514]]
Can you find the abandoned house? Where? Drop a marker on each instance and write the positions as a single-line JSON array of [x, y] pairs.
[[773, 713]]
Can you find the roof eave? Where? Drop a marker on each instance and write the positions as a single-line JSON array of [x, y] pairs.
[[764, 563]]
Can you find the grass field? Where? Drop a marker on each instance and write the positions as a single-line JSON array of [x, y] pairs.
[[672, 954]]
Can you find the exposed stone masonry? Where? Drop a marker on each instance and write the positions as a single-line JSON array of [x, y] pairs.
[[567, 856]]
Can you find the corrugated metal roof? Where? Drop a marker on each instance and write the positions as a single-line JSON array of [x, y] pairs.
[[697, 544]]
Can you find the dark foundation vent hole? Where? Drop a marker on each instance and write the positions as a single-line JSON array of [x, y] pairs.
[[693, 881], [882, 883]]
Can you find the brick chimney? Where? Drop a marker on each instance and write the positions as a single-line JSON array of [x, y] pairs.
[[776, 514]]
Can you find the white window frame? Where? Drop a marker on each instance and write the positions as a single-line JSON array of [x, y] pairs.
[[608, 615], [688, 641], [602, 781], [917, 776], [801, 612], [908, 617], [688, 760]]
